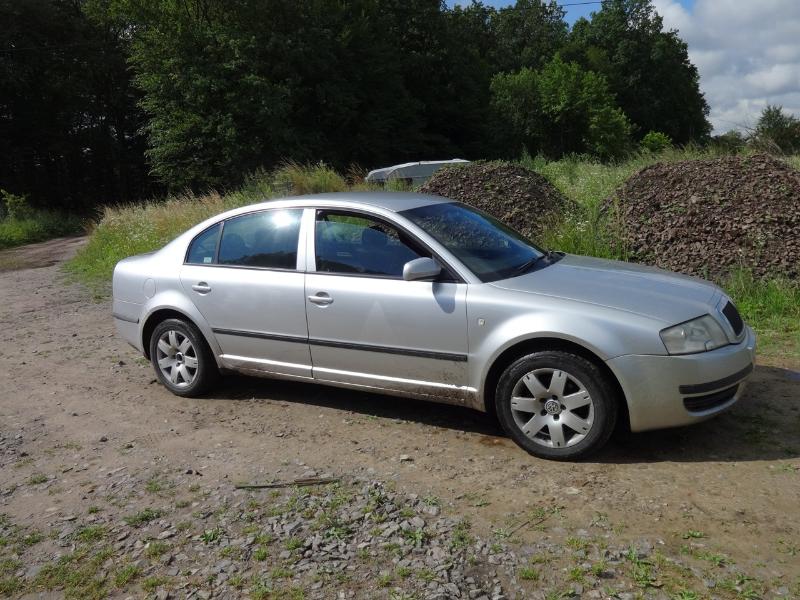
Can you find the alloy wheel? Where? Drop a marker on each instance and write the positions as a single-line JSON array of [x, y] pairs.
[[552, 408], [177, 358]]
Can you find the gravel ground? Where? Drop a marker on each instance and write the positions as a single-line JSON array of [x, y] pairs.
[[111, 487]]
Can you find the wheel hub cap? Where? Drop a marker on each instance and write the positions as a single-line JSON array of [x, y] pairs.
[[552, 407]]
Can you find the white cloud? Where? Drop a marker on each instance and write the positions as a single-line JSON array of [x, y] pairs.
[[747, 52]]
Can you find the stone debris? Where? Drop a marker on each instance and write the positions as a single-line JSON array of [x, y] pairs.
[[708, 217]]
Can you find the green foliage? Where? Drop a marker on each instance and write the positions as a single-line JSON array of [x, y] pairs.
[[648, 69], [527, 35], [22, 224], [190, 95], [655, 141], [69, 120], [14, 207], [777, 131], [561, 109], [731, 142]]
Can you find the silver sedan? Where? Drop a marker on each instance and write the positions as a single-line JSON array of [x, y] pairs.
[[419, 296]]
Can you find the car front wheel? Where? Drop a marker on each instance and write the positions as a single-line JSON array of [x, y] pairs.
[[556, 405], [181, 358]]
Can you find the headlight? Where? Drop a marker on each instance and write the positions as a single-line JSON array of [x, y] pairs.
[[698, 335]]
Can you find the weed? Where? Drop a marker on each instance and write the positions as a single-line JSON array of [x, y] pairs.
[[125, 575], [153, 582], [293, 544], [143, 517], [37, 478], [529, 574], [461, 537], [260, 554], [156, 549], [211, 536], [692, 534], [91, 533]]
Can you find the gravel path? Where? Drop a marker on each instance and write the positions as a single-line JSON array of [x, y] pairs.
[[110, 486]]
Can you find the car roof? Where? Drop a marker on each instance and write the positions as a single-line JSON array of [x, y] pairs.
[[393, 201], [388, 201]]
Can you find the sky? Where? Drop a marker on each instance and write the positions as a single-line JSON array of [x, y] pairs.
[[747, 52]]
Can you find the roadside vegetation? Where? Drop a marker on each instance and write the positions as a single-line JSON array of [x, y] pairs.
[[22, 224], [772, 306]]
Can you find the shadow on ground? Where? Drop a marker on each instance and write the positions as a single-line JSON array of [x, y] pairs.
[[763, 425]]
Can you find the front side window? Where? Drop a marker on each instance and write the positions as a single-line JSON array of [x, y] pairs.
[[356, 244], [266, 239], [486, 246], [204, 247]]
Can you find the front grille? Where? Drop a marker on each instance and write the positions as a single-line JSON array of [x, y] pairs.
[[733, 317], [709, 401]]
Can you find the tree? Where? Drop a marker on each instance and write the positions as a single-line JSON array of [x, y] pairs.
[[777, 130], [68, 117], [561, 109], [648, 69], [527, 35]]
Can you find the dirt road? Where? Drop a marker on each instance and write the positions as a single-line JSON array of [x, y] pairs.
[[714, 509]]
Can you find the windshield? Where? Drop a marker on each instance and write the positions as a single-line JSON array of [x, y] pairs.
[[488, 248]]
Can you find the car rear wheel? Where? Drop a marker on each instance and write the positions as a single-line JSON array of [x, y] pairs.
[[556, 405], [181, 358]]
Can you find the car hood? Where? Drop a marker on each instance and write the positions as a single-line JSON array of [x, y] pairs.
[[647, 291]]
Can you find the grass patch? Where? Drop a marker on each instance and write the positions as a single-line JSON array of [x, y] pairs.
[[143, 517], [38, 226], [156, 549], [77, 574], [91, 533], [125, 575], [37, 478]]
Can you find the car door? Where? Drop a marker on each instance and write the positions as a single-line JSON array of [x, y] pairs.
[[367, 325], [242, 275]]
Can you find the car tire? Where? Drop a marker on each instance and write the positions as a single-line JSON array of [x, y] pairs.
[[182, 360], [556, 405]]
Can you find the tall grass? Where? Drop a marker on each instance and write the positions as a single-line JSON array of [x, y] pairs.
[[772, 308], [125, 230]]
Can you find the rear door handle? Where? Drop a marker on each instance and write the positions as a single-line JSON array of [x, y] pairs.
[[201, 287], [321, 299]]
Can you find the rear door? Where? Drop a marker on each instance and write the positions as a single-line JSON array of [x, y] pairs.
[[243, 276], [367, 325]]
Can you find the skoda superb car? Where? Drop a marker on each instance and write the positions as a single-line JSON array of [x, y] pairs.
[[419, 296]]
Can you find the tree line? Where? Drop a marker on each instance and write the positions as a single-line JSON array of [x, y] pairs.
[[113, 100]]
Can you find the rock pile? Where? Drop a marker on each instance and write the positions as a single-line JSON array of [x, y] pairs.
[[707, 217], [515, 195]]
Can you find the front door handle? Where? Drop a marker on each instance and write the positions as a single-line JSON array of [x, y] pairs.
[[321, 299], [201, 287]]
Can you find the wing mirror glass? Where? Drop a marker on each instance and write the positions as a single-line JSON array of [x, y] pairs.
[[421, 268]]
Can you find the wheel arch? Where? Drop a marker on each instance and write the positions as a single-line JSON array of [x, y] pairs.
[[162, 314], [528, 346]]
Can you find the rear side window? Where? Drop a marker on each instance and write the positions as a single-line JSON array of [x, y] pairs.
[[204, 247], [266, 239]]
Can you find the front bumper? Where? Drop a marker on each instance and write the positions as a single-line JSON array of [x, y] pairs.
[[670, 391]]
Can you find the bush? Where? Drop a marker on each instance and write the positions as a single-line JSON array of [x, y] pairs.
[[655, 141], [21, 224], [14, 206], [300, 179]]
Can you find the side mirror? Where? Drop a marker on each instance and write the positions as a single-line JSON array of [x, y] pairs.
[[421, 268]]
